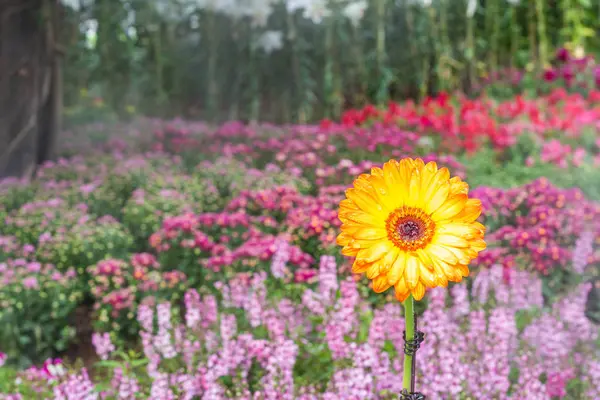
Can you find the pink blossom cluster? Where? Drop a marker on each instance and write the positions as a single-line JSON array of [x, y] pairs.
[[544, 231], [563, 155], [103, 344], [463, 123], [119, 286], [76, 387], [217, 241], [32, 274], [469, 348]]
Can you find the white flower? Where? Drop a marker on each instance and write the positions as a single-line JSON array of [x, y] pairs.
[[471, 8], [355, 11], [74, 4], [422, 3], [224, 6], [295, 5], [316, 11], [206, 4], [167, 10], [259, 11], [270, 41], [425, 141], [194, 22]]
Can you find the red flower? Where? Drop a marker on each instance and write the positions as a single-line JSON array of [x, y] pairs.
[[550, 75], [562, 55], [325, 124]]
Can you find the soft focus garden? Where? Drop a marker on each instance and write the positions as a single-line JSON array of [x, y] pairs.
[[166, 258]]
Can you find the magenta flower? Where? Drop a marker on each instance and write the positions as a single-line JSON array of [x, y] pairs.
[[562, 54]]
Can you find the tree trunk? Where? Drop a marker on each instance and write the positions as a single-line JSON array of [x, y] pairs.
[[30, 85]]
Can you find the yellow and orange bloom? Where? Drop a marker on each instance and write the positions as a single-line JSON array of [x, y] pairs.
[[411, 226]]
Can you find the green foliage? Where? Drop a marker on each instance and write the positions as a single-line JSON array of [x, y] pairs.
[[525, 317], [316, 367], [154, 62], [119, 288], [85, 244], [487, 168], [35, 312], [32, 219], [14, 195], [144, 211]]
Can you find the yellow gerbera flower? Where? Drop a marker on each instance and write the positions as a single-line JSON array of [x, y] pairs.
[[410, 226]]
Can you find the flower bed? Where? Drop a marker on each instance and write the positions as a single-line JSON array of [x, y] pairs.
[[212, 271]]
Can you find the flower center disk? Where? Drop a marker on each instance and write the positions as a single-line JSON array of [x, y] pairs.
[[410, 228]]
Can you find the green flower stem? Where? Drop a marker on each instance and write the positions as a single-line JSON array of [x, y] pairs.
[[531, 30], [409, 319], [212, 89], [470, 52], [542, 39], [381, 55], [515, 36], [328, 77]]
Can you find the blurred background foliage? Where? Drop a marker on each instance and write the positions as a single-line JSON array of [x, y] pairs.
[[300, 60]]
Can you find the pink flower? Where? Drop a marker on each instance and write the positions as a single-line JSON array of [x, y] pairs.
[[562, 54], [550, 75], [578, 156], [103, 345], [31, 282]]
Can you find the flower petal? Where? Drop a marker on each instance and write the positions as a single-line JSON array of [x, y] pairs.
[[419, 291], [385, 196], [359, 268], [452, 274], [375, 252], [412, 271], [442, 253], [366, 202], [450, 240], [401, 290], [478, 245], [450, 208], [374, 270], [471, 212], [462, 229], [457, 186], [427, 276], [370, 234], [381, 284], [398, 268], [362, 218]]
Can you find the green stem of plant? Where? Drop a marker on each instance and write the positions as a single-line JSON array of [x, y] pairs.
[[297, 98], [211, 92], [437, 48], [515, 35], [541, 27], [495, 38], [234, 109], [328, 77], [565, 31], [470, 53], [381, 56], [532, 32], [409, 319], [445, 75], [255, 80], [158, 60], [361, 75]]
